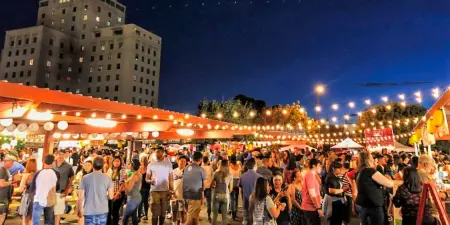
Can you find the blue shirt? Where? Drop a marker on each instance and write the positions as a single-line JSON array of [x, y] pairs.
[[247, 182], [15, 168]]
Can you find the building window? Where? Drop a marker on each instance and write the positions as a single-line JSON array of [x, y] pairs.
[[62, 20], [69, 69], [50, 52], [100, 58], [99, 9], [94, 48], [147, 81], [83, 36], [11, 43], [85, 17], [73, 18], [23, 63], [109, 66], [47, 75], [81, 59], [98, 89], [92, 58], [118, 66], [109, 14], [115, 98], [146, 91], [14, 75], [17, 52], [141, 79], [19, 43], [119, 19], [9, 54], [34, 39], [134, 88], [31, 62], [45, 85], [60, 66], [57, 87], [24, 52], [49, 63], [27, 41], [29, 73], [103, 48], [21, 74], [89, 90], [120, 44], [148, 61], [58, 77], [109, 56], [108, 23], [154, 63], [90, 79], [117, 77], [142, 69], [27, 83], [6, 75], [43, 15], [77, 91], [97, 19], [107, 89], [91, 69], [116, 88], [72, 28], [153, 83], [84, 26], [153, 93], [119, 55], [136, 67], [50, 41], [15, 63], [82, 48], [134, 78], [108, 77], [74, 9], [80, 70], [64, 11], [133, 100], [8, 64], [140, 101], [32, 50], [148, 71], [86, 7], [61, 55], [100, 68], [111, 46]]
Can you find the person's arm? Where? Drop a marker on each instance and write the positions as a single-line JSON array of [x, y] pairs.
[[130, 182], [23, 182], [273, 209], [291, 194], [69, 183], [382, 180], [80, 203]]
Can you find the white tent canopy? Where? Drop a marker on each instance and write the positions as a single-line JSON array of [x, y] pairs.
[[348, 143], [400, 147]]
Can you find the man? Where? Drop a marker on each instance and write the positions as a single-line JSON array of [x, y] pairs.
[[160, 176], [311, 203], [209, 176], [5, 186], [95, 190], [247, 185], [74, 159], [66, 176], [194, 180], [45, 184], [381, 164], [264, 170], [177, 204]]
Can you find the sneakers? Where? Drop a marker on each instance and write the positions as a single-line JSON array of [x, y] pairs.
[[168, 216]]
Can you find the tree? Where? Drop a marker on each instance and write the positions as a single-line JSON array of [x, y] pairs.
[[392, 112], [257, 105], [232, 111], [290, 116]]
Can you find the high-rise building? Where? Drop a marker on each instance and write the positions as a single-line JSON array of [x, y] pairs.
[[85, 47]]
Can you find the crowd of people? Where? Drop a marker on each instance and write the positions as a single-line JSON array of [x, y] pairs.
[[302, 186]]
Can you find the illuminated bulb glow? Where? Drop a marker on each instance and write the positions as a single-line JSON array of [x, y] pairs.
[[268, 112], [16, 112], [219, 115], [401, 96], [171, 117], [235, 114], [334, 119], [124, 116], [39, 116], [318, 108], [77, 114], [351, 104], [155, 117], [203, 115], [93, 115], [252, 114], [384, 99], [320, 89], [101, 123], [108, 116], [367, 101], [185, 132], [335, 106]]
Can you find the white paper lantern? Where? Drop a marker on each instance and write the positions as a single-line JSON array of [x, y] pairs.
[[83, 136], [135, 135], [66, 136], [6, 122], [114, 135], [33, 127], [155, 134], [57, 135], [93, 136], [62, 125], [11, 128], [105, 135], [75, 136], [22, 127], [123, 135], [145, 134], [48, 126]]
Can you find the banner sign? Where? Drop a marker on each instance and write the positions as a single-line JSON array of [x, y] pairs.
[[379, 137]]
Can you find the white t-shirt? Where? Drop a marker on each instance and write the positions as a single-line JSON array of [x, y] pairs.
[[178, 183], [160, 171], [209, 175], [44, 181]]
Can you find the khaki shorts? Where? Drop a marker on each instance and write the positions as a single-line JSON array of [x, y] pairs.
[[60, 205], [159, 201], [194, 208]]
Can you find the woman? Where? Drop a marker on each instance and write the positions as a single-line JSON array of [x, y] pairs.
[[87, 169], [145, 190], [220, 183], [290, 169], [117, 175], [26, 203], [132, 187], [235, 171], [335, 193], [370, 199], [108, 162], [263, 210], [295, 193], [408, 198], [284, 157]]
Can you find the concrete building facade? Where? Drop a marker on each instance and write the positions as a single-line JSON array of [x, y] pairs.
[[84, 46]]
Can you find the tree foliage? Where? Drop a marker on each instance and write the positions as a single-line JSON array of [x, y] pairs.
[[232, 111], [289, 116]]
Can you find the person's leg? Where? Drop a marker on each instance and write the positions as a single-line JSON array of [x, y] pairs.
[[129, 210], [134, 218], [363, 215], [376, 215], [174, 207], [155, 206], [215, 211], [36, 214], [115, 213], [165, 199], [246, 205], [59, 207], [225, 211], [49, 218], [145, 200]]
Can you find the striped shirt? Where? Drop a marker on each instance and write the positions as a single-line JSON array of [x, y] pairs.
[[346, 183]]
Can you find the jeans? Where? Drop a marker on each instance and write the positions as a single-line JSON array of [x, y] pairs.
[[312, 217], [49, 214], [131, 211], [370, 216], [220, 202], [99, 219], [114, 208], [246, 206], [143, 207], [208, 201], [338, 213], [234, 198]]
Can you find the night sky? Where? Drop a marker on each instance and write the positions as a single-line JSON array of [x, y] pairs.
[[278, 50]]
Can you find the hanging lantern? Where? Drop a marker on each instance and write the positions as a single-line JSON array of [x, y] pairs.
[[75, 136], [155, 134], [48, 126], [6, 122], [22, 127], [419, 133], [135, 135], [83, 136], [11, 128], [124, 135], [66, 136], [145, 134], [57, 135], [430, 127], [438, 118], [62, 125]]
